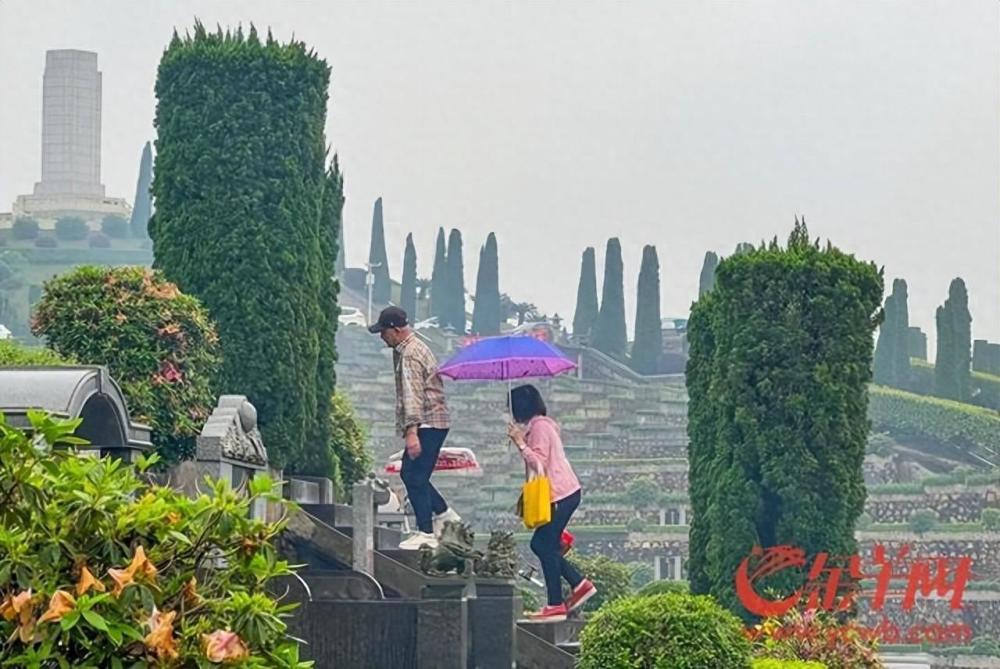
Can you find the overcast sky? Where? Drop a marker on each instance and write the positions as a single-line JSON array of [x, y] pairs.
[[688, 125]]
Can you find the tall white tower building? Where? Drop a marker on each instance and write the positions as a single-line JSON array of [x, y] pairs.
[[71, 125]]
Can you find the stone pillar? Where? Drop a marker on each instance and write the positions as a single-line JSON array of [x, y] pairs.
[[492, 617], [443, 626], [363, 521], [682, 515], [678, 567]]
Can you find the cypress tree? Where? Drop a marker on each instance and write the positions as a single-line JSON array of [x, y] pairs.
[[486, 313], [707, 278], [609, 333], [408, 291], [586, 296], [439, 282], [477, 307], [456, 282], [319, 450], [892, 350], [647, 348], [251, 248], [775, 447], [341, 263], [952, 366], [882, 362], [143, 208], [382, 290], [900, 358]]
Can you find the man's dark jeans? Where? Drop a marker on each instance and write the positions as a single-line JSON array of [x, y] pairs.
[[416, 475]]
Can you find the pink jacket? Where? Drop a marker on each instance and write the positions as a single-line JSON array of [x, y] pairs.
[[544, 449]]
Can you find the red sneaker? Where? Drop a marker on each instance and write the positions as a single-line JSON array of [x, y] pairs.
[[549, 614], [581, 594]]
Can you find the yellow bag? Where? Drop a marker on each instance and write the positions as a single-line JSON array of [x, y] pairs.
[[536, 501]]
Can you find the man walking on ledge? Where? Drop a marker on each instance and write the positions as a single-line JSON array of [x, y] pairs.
[[421, 419]]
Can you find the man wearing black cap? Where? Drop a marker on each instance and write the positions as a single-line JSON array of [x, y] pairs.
[[421, 419]]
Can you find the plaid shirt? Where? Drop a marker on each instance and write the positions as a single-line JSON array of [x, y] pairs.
[[419, 390]]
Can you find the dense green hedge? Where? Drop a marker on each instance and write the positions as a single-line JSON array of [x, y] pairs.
[[670, 631], [955, 424], [778, 373], [242, 222]]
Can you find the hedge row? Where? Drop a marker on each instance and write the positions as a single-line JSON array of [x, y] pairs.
[[962, 426]]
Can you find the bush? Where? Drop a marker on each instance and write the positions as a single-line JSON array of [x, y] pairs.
[[99, 240], [46, 242], [613, 580], [643, 492], [530, 600], [817, 637], [24, 228], [100, 569], [922, 520], [665, 632], [351, 460], [115, 227], [158, 344], [71, 229], [13, 354], [636, 525], [771, 663], [991, 519], [642, 574], [664, 588]]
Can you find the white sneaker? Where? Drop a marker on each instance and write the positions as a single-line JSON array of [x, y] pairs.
[[418, 539], [441, 519]]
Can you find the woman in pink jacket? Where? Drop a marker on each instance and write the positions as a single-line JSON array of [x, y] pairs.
[[537, 437]]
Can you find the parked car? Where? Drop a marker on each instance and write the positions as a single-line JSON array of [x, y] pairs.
[[351, 316]]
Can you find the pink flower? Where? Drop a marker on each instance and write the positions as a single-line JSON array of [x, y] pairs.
[[169, 372]]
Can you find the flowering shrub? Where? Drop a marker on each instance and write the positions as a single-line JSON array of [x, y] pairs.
[[100, 569], [158, 344], [817, 637]]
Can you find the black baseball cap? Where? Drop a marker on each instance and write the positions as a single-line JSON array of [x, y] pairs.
[[391, 317]]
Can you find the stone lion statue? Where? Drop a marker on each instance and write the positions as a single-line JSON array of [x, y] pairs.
[[454, 554]]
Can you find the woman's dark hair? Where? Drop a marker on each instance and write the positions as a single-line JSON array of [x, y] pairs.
[[525, 403]]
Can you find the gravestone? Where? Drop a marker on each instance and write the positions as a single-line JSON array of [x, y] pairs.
[[229, 448]]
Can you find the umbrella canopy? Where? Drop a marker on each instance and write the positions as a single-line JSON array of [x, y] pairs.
[[506, 358]]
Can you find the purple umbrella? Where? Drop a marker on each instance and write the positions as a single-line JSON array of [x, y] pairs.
[[506, 358]]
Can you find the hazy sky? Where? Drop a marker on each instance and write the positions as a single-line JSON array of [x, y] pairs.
[[688, 125]]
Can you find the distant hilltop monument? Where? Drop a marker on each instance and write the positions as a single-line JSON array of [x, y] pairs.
[[71, 145]]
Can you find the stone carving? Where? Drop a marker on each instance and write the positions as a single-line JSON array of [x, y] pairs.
[[231, 432], [500, 560], [454, 553]]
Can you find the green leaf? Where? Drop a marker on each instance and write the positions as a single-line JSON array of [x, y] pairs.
[[69, 620], [96, 620]]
